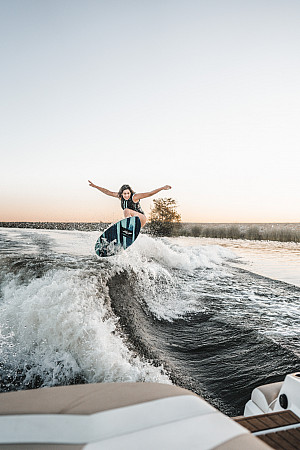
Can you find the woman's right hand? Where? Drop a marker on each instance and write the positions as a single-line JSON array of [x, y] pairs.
[[91, 184]]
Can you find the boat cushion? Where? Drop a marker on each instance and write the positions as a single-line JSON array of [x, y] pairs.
[[263, 396]]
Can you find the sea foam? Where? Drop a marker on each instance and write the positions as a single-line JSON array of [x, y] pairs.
[[58, 327]]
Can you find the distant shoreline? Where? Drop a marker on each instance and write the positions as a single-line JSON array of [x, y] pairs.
[[282, 232], [70, 226], [23, 224]]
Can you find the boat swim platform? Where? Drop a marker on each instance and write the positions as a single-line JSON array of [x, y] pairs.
[[280, 430]]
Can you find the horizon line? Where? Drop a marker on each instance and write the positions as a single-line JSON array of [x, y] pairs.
[[100, 221]]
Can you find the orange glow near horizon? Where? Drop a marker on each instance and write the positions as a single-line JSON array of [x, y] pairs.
[[100, 208], [115, 215]]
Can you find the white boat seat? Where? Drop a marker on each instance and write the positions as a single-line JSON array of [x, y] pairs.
[[264, 396], [116, 416]]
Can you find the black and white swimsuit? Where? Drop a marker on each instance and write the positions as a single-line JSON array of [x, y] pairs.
[[130, 204]]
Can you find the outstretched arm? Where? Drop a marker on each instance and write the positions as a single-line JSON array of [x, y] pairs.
[[105, 191], [138, 197]]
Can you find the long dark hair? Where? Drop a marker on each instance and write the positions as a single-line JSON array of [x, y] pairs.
[[123, 188]]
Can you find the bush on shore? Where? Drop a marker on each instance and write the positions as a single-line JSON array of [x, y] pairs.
[[164, 218]]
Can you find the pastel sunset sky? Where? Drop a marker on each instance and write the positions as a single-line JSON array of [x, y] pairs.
[[201, 95]]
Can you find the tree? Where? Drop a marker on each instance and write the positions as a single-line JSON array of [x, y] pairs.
[[164, 217]]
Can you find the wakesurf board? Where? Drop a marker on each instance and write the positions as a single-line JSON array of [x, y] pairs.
[[118, 236]]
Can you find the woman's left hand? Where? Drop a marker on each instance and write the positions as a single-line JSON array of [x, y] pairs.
[[167, 187]]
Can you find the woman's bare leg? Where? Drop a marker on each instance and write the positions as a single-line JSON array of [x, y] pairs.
[[130, 213]]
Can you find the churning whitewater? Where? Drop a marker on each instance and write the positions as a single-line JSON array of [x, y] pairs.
[[165, 310]]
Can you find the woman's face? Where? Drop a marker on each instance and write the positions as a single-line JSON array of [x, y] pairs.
[[126, 194]]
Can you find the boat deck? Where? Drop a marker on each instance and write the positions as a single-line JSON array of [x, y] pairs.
[[280, 430]]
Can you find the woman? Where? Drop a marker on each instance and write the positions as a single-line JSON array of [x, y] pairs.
[[130, 201]]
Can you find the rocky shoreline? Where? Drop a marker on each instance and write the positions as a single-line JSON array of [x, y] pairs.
[[71, 226]]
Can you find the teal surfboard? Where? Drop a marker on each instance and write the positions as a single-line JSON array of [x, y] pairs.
[[118, 236]]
